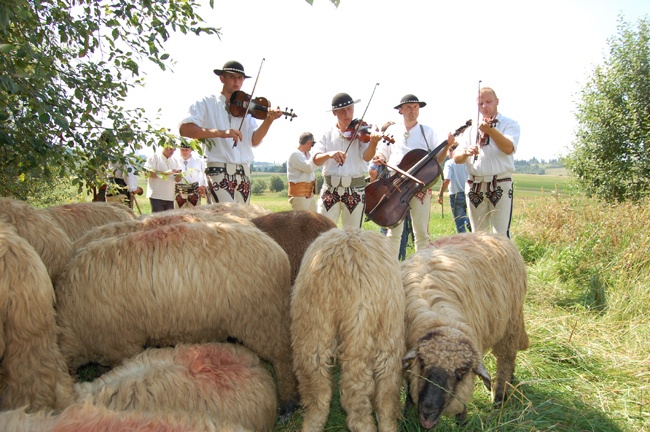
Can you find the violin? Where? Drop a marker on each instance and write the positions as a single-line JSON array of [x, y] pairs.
[[483, 139], [258, 107], [387, 199], [362, 130]]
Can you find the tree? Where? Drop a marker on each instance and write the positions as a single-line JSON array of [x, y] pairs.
[[66, 66], [610, 154], [277, 184]]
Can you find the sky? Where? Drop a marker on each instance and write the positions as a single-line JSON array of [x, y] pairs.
[[535, 55]]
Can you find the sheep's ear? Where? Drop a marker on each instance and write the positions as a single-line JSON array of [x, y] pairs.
[[407, 361], [484, 375]]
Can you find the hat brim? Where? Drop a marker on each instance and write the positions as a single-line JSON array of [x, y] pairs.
[[422, 104], [338, 108], [221, 72]]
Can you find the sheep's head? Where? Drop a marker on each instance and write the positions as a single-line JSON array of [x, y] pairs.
[[442, 369]]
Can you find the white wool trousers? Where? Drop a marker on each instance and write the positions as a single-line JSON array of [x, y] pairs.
[[489, 203], [303, 203]]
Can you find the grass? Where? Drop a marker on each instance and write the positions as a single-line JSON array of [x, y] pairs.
[[587, 309]]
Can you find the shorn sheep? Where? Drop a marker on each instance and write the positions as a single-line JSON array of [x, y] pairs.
[[77, 218], [348, 304], [294, 231], [41, 232], [464, 295], [32, 370], [191, 283], [226, 381]]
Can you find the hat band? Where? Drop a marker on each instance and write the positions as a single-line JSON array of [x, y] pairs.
[[234, 70]]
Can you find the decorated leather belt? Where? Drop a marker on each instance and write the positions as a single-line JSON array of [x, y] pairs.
[[216, 168], [187, 188], [302, 189], [345, 181]]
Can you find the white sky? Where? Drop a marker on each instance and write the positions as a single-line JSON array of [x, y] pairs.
[[535, 55]]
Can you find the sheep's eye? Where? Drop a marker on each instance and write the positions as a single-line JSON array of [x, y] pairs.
[[460, 373]]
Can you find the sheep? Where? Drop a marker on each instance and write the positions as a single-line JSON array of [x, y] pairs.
[[235, 209], [348, 303], [77, 218], [226, 381], [190, 283], [48, 240], [294, 231], [32, 370], [464, 295], [86, 417]]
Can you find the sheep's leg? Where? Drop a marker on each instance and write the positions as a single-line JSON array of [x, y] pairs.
[[357, 386], [389, 383], [505, 354]]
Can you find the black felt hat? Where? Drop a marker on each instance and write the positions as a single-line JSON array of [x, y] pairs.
[[233, 67], [410, 98], [342, 100]]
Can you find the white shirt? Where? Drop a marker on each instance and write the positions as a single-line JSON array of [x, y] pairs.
[[126, 173], [491, 161], [193, 168], [210, 112], [300, 167], [354, 165], [159, 187], [406, 141]]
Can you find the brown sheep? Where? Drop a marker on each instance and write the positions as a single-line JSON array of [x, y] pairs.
[[189, 283], [348, 304], [78, 218], [48, 240], [32, 370], [294, 231], [226, 381], [464, 296]]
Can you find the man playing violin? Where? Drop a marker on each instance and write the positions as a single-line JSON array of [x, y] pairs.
[[410, 135], [490, 163], [229, 140], [344, 158]]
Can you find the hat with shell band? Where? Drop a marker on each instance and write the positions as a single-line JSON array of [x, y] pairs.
[[342, 100], [410, 98], [233, 67]]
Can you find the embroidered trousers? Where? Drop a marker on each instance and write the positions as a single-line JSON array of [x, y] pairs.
[[346, 203], [489, 203]]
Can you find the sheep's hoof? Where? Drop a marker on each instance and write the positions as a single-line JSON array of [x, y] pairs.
[[461, 418], [287, 410]]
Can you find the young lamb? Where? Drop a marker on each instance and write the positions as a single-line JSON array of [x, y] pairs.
[[48, 240], [348, 304], [294, 231], [464, 295], [78, 218], [193, 283], [33, 373], [226, 381]]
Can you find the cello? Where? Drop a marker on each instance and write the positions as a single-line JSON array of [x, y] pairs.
[[387, 199]]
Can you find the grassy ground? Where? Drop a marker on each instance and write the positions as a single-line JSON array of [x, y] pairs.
[[587, 309]]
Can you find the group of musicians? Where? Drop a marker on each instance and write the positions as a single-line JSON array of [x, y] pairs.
[[344, 151]]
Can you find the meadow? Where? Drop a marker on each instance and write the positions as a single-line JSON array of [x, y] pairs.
[[587, 314]]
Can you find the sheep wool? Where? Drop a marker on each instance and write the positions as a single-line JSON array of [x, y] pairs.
[[464, 296], [41, 232], [33, 373], [77, 218], [235, 209], [348, 305], [294, 231], [226, 381], [122, 294]]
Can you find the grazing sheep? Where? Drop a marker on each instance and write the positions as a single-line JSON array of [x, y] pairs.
[[48, 240], [294, 231], [226, 381], [85, 417], [32, 370], [348, 303], [78, 218], [190, 283], [464, 295]]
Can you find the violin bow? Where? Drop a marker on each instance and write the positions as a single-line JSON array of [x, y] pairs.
[[356, 129], [248, 106], [478, 112]]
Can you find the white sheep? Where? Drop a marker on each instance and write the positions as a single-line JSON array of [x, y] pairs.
[[348, 305], [226, 381], [464, 296], [48, 240], [32, 370], [76, 219], [192, 283]]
